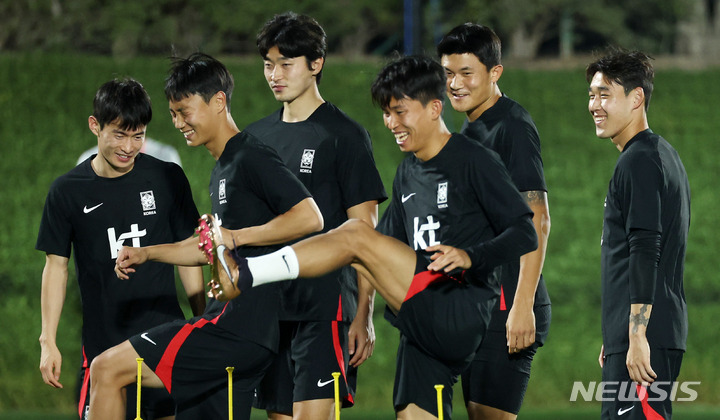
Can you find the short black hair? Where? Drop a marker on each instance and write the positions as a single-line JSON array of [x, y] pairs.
[[123, 101], [472, 38], [199, 74], [295, 36], [414, 77], [629, 69]]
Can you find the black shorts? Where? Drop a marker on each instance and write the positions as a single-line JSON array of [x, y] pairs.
[[154, 402], [498, 379], [191, 357], [442, 323], [416, 374], [310, 351], [628, 400]]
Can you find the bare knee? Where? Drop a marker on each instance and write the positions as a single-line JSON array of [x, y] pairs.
[[414, 412], [356, 227], [357, 234], [314, 409], [483, 412], [112, 367], [272, 415], [101, 369]]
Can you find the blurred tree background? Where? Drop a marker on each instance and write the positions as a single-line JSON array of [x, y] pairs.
[[529, 28]]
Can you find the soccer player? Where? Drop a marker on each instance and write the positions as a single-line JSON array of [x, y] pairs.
[[255, 195], [455, 215], [119, 196], [645, 229], [494, 386], [325, 326]]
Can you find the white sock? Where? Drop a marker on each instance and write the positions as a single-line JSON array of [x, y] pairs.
[[277, 266]]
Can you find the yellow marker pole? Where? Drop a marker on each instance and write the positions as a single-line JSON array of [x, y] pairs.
[[439, 389], [230, 392], [139, 387], [336, 379]]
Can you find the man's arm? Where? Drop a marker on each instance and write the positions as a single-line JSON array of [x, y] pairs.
[[638, 357], [361, 336], [521, 319], [644, 256], [301, 220], [192, 280], [52, 298], [516, 240], [183, 253]]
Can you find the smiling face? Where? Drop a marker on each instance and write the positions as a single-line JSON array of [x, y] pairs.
[[616, 115], [195, 119], [411, 123], [290, 78], [117, 147], [471, 87]]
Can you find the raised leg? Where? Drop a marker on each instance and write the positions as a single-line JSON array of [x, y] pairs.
[[388, 263]]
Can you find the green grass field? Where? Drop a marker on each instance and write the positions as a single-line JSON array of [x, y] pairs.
[[44, 104]]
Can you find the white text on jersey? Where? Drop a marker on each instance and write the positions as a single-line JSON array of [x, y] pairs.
[[117, 243], [419, 233]]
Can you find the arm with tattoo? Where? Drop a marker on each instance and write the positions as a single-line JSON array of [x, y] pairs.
[[638, 356], [641, 318], [531, 264], [644, 256], [521, 319]]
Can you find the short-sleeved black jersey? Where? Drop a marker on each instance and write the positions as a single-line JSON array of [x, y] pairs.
[[508, 129], [462, 197], [649, 190], [250, 186], [332, 155], [150, 205]]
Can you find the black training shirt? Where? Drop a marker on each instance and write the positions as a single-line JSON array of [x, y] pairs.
[[508, 129], [250, 186], [332, 156], [648, 191], [462, 197], [152, 204]]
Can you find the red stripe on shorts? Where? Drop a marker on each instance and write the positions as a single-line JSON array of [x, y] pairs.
[[422, 280], [85, 385], [503, 307], [167, 362], [649, 412], [338, 347]]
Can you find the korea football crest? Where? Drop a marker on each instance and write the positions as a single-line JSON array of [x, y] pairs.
[[147, 199], [306, 161], [222, 192], [442, 195]]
